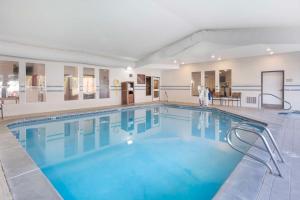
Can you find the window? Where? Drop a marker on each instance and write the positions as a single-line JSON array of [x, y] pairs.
[[71, 83], [148, 86], [196, 82], [210, 81], [35, 82], [89, 87], [104, 83], [225, 82], [9, 80]]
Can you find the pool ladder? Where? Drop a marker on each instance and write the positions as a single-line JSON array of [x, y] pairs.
[[252, 127]]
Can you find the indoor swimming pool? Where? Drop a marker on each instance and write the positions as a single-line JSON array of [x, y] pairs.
[[150, 152]]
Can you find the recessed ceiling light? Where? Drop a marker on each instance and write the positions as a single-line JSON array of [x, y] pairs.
[[128, 68], [268, 49], [271, 52], [175, 61], [182, 63], [219, 58], [213, 56]]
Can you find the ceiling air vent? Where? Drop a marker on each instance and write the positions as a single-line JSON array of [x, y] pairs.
[[251, 100]]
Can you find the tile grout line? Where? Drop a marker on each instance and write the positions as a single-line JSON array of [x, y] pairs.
[[24, 173], [291, 159], [284, 132], [6, 181], [261, 186], [9, 148]]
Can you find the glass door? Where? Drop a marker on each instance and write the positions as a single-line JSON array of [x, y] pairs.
[[156, 90]]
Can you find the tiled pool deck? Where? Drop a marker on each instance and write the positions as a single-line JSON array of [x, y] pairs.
[[250, 180]]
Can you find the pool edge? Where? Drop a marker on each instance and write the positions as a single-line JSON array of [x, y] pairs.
[[47, 186]]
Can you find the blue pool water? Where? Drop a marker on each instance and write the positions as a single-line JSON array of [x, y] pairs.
[[155, 152]]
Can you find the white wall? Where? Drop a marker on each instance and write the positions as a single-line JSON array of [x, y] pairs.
[[246, 77], [55, 88]]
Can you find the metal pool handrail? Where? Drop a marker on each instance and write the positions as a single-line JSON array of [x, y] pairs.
[[270, 135], [166, 93], [269, 94], [242, 127]]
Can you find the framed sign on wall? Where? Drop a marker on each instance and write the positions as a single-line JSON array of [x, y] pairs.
[[141, 78]]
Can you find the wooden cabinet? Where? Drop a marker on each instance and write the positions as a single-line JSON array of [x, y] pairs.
[[127, 93]]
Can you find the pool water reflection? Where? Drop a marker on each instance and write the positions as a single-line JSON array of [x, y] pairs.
[[155, 152]]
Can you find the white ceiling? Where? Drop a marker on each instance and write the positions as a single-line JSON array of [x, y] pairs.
[[133, 29], [198, 53], [224, 44], [202, 52]]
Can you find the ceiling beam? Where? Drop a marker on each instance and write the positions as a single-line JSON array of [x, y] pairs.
[[20, 50], [237, 37]]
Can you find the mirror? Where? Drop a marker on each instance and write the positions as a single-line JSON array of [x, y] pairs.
[[35, 83], [104, 83], [71, 83], [89, 87], [9, 81], [196, 81]]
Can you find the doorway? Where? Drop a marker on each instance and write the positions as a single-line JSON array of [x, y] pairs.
[[156, 91], [272, 83], [210, 81], [148, 86]]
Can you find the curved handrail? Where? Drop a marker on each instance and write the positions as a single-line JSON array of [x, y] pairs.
[[228, 137], [269, 94], [265, 142], [242, 140], [267, 130], [167, 95]]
